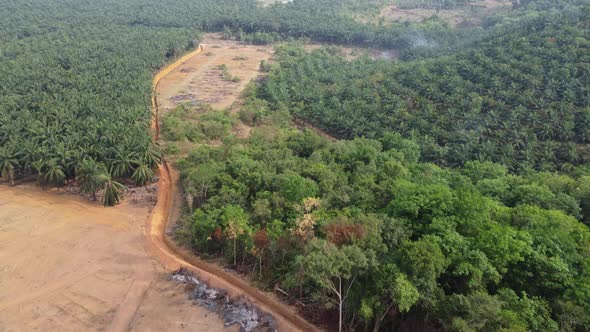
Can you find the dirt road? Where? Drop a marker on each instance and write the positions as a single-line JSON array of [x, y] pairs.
[[67, 264], [169, 194]]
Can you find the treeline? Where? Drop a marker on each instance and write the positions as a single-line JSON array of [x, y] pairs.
[[435, 4], [519, 97], [362, 226], [320, 20]]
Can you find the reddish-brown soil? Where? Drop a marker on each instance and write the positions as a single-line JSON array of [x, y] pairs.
[[67, 264]]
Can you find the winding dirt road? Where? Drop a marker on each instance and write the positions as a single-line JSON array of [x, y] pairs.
[[173, 257]]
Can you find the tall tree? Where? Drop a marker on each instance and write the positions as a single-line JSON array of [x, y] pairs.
[[333, 269]]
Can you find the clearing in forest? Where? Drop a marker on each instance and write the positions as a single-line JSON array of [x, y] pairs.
[[215, 77], [468, 14], [71, 265]]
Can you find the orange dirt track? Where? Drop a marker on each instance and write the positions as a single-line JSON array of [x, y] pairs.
[[174, 257]]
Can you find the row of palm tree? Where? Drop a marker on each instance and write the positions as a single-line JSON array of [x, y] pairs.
[[517, 98], [91, 175]]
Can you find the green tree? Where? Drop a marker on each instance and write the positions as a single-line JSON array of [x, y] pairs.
[[295, 187], [333, 269], [393, 290], [235, 221], [91, 176], [423, 262], [112, 191]]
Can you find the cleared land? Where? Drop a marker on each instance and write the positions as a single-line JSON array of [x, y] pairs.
[[466, 15], [200, 79], [70, 265]]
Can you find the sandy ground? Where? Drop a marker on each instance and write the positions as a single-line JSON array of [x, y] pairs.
[[199, 79], [67, 264]]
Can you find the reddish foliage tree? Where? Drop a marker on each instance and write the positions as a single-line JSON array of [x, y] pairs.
[[261, 240], [342, 231], [218, 235]]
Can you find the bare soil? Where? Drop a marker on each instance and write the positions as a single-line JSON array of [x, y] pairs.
[[67, 264], [199, 79]]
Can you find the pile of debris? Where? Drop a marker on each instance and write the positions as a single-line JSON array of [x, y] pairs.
[[144, 196], [186, 98], [233, 311]]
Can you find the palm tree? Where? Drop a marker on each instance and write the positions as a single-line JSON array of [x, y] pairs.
[[153, 155], [55, 174], [142, 174], [8, 164], [123, 163], [38, 166], [111, 195], [91, 176]]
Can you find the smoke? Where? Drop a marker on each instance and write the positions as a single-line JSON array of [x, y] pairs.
[[417, 39]]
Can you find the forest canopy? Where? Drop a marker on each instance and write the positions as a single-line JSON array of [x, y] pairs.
[[466, 249]]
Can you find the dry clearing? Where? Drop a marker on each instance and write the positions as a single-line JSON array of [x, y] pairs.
[[467, 15], [67, 264], [200, 79]]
